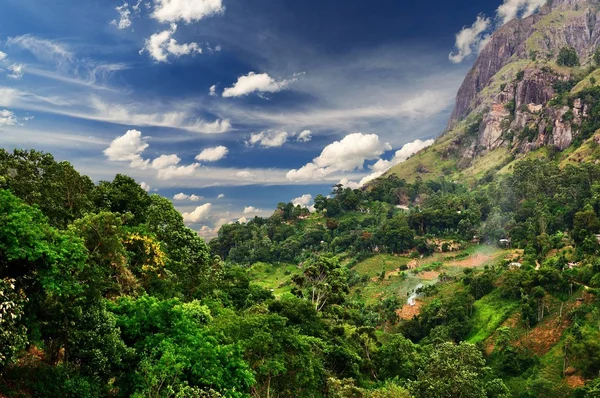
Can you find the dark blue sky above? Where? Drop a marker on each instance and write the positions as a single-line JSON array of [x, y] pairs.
[[259, 101]]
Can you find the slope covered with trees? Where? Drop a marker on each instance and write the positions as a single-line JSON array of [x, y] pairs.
[[105, 292]]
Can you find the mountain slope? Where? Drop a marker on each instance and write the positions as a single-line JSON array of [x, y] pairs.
[[534, 85]]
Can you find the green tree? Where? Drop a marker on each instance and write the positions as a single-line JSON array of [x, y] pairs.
[[122, 195], [174, 350], [457, 371], [324, 281], [56, 187], [567, 56], [188, 261]]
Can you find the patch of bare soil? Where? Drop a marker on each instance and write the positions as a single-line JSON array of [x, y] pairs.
[[409, 311], [575, 381], [473, 261], [429, 275], [547, 333]]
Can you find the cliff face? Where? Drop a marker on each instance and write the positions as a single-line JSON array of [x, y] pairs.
[[516, 95]]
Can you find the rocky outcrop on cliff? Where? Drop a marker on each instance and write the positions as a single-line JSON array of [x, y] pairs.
[[519, 94]]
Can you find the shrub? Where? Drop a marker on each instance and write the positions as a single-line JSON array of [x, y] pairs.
[[568, 57]]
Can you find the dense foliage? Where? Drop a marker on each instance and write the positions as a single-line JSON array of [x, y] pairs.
[[104, 291]]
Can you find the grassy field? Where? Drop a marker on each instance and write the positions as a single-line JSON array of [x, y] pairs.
[[422, 271], [276, 277], [490, 312]]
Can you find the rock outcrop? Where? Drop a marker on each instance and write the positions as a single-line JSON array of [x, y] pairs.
[[521, 97]]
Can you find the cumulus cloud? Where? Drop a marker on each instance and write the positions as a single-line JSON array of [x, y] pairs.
[[192, 198], [177, 171], [124, 21], [7, 118], [186, 10], [164, 161], [242, 220], [303, 200], [212, 154], [145, 186], [16, 71], [251, 210], [304, 136], [401, 154], [268, 139], [356, 185], [206, 232], [221, 196], [160, 45], [255, 82], [469, 39], [2, 56], [201, 213], [345, 155], [212, 91], [128, 148]]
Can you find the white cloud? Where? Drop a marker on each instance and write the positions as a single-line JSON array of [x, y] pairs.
[[128, 148], [212, 154], [164, 161], [192, 198], [212, 91], [511, 9], [160, 45], [45, 50], [124, 21], [7, 118], [268, 139], [177, 171], [356, 185], [255, 82], [242, 220], [245, 174], [469, 39], [201, 213], [16, 71], [303, 200], [304, 136], [207, 232], [346, 155], [2, 56], [401, 155], [474, 38], [128, 115], [186, 10], [251, 210], [145, 186], [221, 196]]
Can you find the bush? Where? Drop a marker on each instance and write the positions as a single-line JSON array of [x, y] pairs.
[[568, 57]]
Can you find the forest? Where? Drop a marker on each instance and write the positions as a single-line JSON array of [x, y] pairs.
[[105, 292]]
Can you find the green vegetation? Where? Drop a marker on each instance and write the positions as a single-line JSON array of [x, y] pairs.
[[105, 292], [567, 56]]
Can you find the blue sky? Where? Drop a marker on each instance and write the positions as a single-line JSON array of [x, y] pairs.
[[236, 105]]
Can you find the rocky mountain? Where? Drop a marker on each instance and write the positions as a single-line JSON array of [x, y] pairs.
[[535, 86]]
